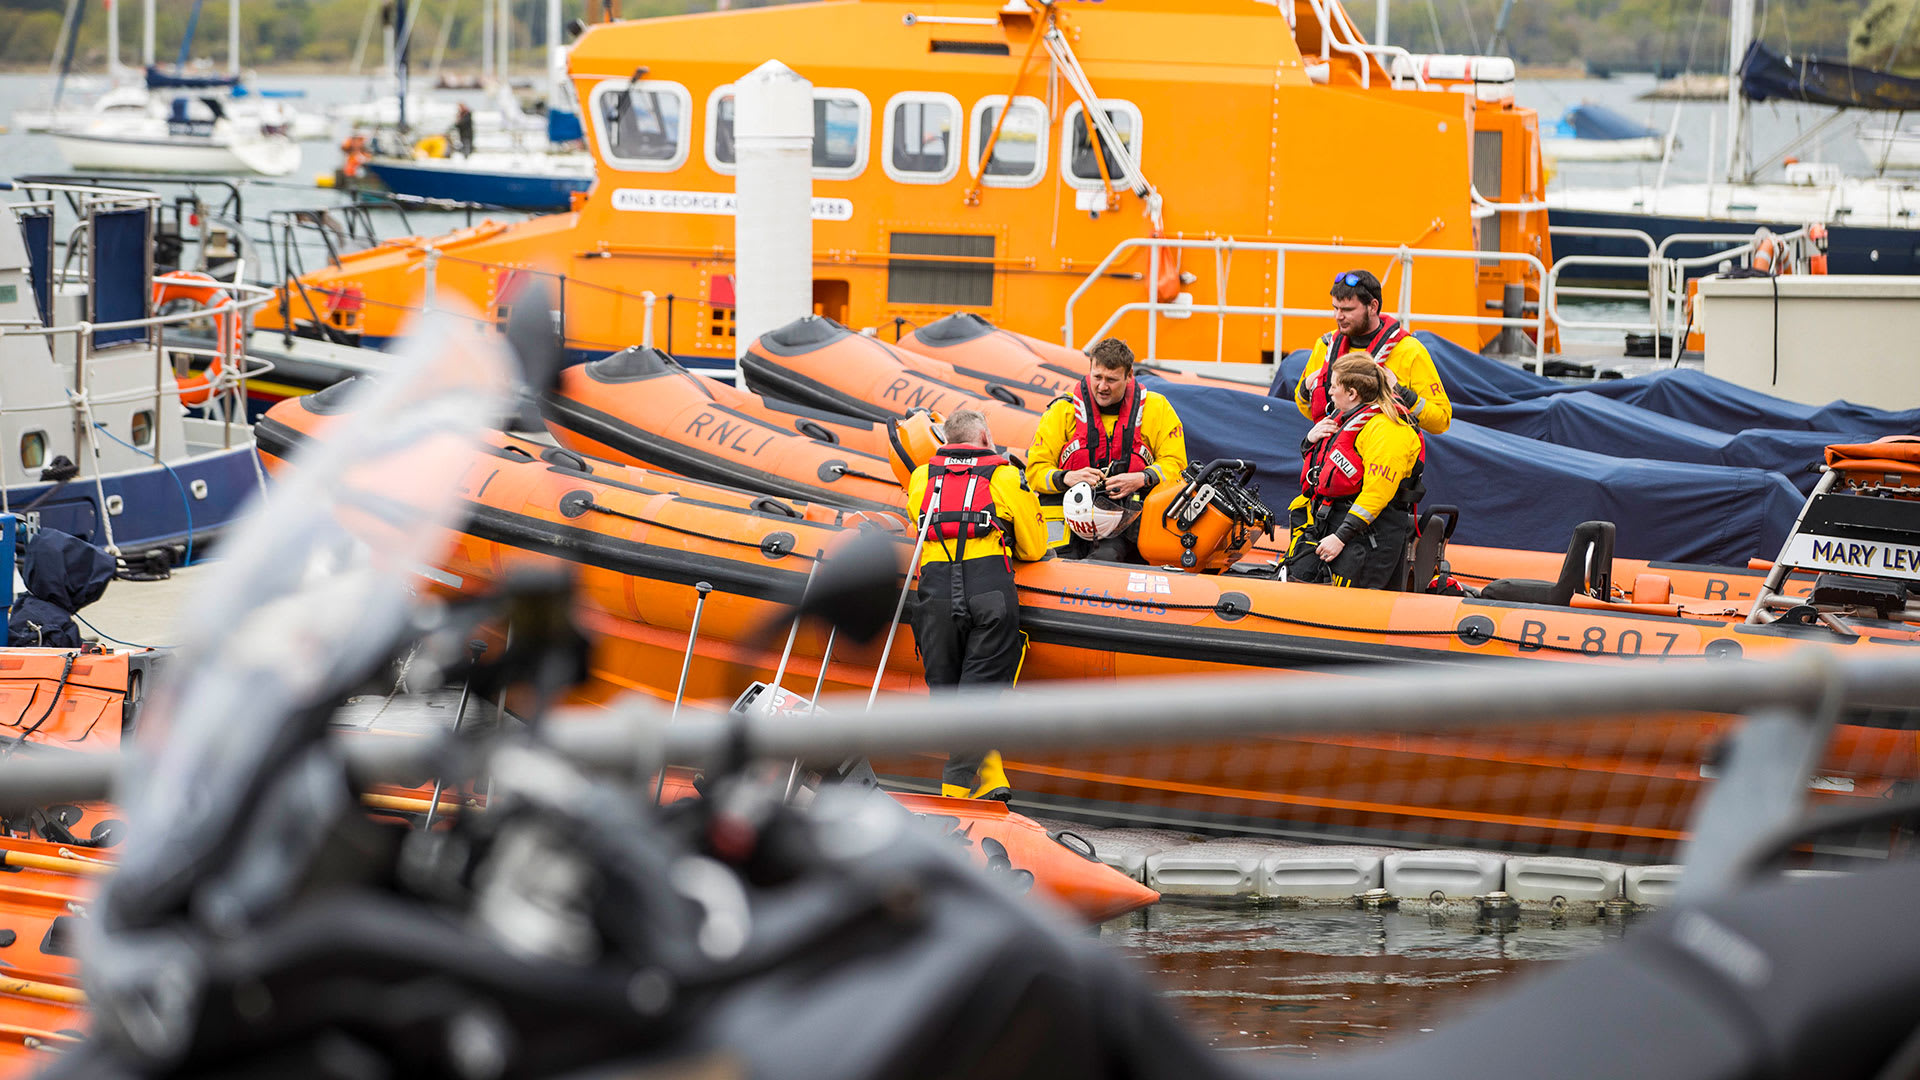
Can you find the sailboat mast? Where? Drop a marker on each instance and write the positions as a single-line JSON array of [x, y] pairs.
[[1739, 38], [556, 57], [146, 33], [113, 42], [233, 37]]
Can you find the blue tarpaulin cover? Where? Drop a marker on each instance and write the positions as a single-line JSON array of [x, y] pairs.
[[1683, 393], [1513, 491]]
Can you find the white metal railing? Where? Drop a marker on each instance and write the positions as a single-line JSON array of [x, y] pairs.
[[1666, 289], [1223, 248]]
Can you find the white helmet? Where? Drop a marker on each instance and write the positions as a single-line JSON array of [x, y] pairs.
[[1093, 516]]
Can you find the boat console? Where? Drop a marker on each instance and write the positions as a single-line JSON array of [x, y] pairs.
[[1859, 534]]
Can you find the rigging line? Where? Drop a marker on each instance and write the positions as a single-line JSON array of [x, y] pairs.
[[1433, 20], [1473, 35]]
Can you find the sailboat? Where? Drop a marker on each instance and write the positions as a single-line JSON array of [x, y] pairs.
[[537, 170], [1873, 223]]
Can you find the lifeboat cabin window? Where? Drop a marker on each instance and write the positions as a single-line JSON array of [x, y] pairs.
[[1082, 169], [33, 449], [142, 426], [841, 123], [921, 133], [1020, 153], [645, 124]]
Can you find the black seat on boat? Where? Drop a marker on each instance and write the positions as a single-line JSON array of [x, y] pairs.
[[1588, 568], [1428, 550], [632, 365], [955, 329]]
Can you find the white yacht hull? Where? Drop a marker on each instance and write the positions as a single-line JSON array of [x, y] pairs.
[[1644, 149], [211, 155]]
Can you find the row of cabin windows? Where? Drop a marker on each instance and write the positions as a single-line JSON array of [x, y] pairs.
[[33, 444], [648, 124]]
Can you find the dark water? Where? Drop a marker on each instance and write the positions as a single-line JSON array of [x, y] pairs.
[[1308, 983]]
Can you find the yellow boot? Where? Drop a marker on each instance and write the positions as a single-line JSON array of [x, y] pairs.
[[953, 791], [991, 780]]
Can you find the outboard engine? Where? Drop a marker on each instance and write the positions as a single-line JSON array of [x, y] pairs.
[[1208, 521]]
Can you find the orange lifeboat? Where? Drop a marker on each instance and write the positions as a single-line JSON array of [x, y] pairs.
[[817, 362], [975, 348], [1000, 841], [640, 406]]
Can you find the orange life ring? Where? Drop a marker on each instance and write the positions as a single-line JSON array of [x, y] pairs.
[[210, 294], [1817, 236], [1764, 250]]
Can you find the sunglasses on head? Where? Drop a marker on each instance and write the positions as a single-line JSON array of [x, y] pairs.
[[1352, 279]]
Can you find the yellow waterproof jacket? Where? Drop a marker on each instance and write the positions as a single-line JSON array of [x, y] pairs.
[[1411, 364], [1161, 437], [1389, 450], [1013, 504]]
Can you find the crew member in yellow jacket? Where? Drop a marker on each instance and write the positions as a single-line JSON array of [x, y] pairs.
[[1136, 445], [978, 518], [1359, 326], [1359, 483]]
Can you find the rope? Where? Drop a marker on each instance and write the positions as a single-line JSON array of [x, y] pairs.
[[610, 512], [185, 503], [81, 403], [104, 636], [1383, 632]]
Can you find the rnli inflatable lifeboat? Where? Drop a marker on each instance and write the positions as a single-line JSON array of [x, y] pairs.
[[640, 406], [978, 350], [815, 361]]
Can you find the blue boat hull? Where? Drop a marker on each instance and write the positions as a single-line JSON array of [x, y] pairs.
[[1850, 249], [510, 190], [158, 507]]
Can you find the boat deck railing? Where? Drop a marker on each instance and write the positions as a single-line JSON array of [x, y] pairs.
[[1664, 294], [1405, 259]]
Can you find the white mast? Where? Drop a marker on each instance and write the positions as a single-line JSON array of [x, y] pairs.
[[1739, 36], [233, 37], [113, 42], [146, 34], [556, 57], [486, 43], [1379, 22]]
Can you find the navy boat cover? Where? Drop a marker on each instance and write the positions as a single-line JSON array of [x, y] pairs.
[[1590, 121], [1515, 491]]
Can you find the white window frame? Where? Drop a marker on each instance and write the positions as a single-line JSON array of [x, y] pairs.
[[1119, 105], [711, 128], [977, 125], [956, 140], [865, 138], [597, 113]]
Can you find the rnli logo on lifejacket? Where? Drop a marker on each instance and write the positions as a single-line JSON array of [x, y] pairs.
[[1339, 460], [1149, 583]]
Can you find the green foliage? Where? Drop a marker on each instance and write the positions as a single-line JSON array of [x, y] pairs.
[[1617, 34]]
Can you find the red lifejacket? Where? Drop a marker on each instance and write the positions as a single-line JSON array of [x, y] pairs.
[[958, 502], [1089, 447], [1332, 469], [1379, 343]]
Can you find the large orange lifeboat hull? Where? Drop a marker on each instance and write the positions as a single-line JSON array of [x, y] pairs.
[[640, 406]]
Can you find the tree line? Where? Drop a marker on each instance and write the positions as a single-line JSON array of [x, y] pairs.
[[1664, 35]]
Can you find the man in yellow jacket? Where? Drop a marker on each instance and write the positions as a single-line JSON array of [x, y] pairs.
[[1360, 326], [978, 517], [1136, 444]]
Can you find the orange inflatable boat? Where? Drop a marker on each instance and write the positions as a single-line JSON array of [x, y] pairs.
[[978, 350], [1057, 865], [640, 406], [639, 550], [816, 362]]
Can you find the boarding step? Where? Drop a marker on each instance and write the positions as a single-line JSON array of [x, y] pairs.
[[1443, 875], [1555, 883]]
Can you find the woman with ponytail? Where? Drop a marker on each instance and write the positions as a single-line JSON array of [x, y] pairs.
[[1359, 483]]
